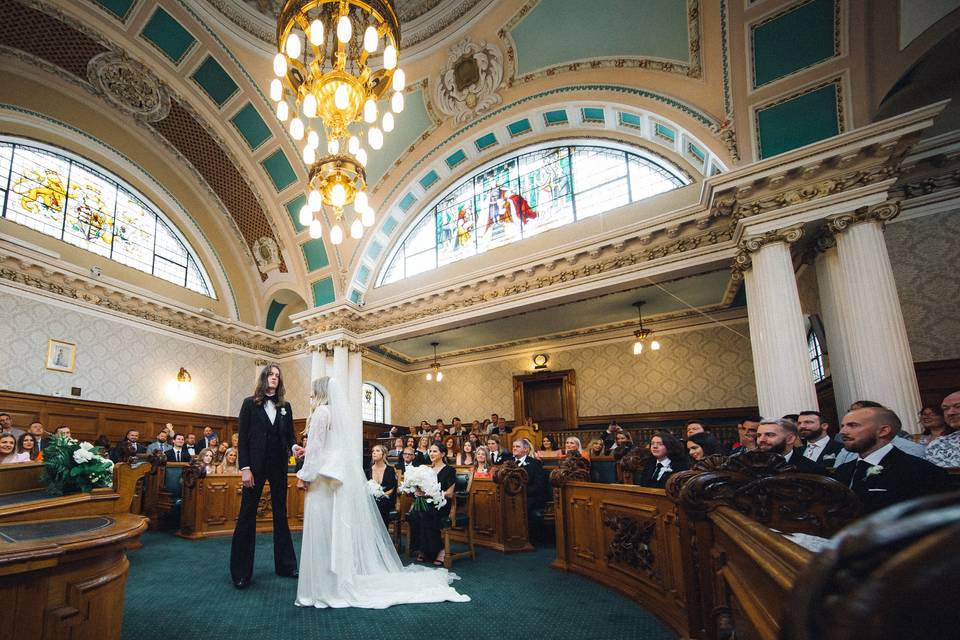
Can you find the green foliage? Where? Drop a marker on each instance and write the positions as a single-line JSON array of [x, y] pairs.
[[71, 466]]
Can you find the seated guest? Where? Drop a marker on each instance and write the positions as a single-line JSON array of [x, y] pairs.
[[945, 450], [64, 431], [220, 452], [501, 427], [594, 449], [397, 450], [610, 435], [410, 442], [483, 468], [668, 458], [440, 428], [901, 440], [536, 478], [457, 428], [548, 448], [883, 475], [8, 450], [384, 475], [424, 428], [692, 427], [782, 437], [407, 459], [475, 428], [128, 447], [747, 430], [450, 443], [40, 437], [160, 444], [621, 445], [235, 440], [103, 443], [28, 444], [572, 445], [466, 456], [485, 426], [701, 445], [933, 425], [6, 426], [209, 439], [205, 462], [423, 451], [819, 447], [494, 421], [229, 464], [425, 525], [496, 455], [474, 439], [178, 452], [191, 444]]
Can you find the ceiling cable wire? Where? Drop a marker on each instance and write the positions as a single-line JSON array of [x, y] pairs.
[[690, 306]]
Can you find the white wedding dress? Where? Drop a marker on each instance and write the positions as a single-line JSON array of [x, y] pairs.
[[347, 558]]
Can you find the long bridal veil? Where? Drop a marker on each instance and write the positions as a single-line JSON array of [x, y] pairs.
[[347, 558]]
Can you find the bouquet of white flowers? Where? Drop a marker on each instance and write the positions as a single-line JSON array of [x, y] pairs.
[[72, 466], [375, 489], [423, 478]]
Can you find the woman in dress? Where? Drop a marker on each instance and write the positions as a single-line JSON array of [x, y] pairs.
[[483, 469], [466, 455], [423, 445], [548, 448], [8, 450], [572, 445], [594, 449], [347, 558], [384, 475], [229, 464], [205, 461], [425, 536], [450, 444], [28, 444]]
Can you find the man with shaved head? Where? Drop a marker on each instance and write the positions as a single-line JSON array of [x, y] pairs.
[[945, 450]]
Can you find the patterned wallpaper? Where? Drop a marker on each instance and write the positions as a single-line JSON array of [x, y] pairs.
[[923, 252], [116, 361]]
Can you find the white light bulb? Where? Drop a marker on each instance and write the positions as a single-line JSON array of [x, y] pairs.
[[356, 230], [279, 65], [396, 102], [368, 217], [310, 106], [637, 348], [309, 155], [341, 98], [344, 29], [353, 144], [313, 139], [306, 215], [375, 137], [296, 129], [399, 80], [361, 201], [276, 90], [283, 111], [338, 195], [439, 376], [370, 111], [316, 33], [361, 156], [314, 200], [294, 48], [371, 39], [429, 376], [389, 57], [333, 147], [316, 230], [655, 346], [388, 122], [336, 234]]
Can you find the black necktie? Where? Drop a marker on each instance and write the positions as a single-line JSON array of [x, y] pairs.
[[656, 471], [178, 456], [859, 473]]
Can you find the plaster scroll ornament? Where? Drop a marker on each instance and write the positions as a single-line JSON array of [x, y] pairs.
[[129, 85], [469, 81], [267, 254]]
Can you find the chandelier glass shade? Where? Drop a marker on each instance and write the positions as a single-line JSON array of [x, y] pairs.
[[336, 61], [435, 373], [641, 335]]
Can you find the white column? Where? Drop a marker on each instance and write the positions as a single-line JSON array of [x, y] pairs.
[[318, 363], [832, 299], [777, 335], [881, 364], [356, 399]]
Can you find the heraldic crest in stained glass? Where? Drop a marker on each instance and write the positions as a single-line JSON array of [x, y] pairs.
[[41, 192], [89, 218]]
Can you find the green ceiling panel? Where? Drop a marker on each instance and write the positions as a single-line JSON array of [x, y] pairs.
[[558, 117], [374, 250], [519, 127], [355, 296], [168, 35], [389, 225], [485, 142], [412, 123], [664, 132], [407, 202], [560, 31], [251, 126], [216, 82], [592, 114], [630, 120], [793, 40], [363, 274], [119, 8], [427, 181], [696, 152], [456, 158], [280, 170], [323, 292], [799, 121], [293, 210], [315, 254], [273, 314]]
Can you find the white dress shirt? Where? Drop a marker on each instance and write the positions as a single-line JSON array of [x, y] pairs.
[[874, 458], [814, 449], [271, 409], [664, 467]]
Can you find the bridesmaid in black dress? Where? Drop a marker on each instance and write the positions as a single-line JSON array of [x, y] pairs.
[[425, 536], [386, 477]]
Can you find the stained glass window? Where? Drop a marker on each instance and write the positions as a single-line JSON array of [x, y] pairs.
[[525, 195], [92, 209], [374, 407]]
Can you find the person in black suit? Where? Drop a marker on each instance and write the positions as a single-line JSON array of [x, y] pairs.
[[818, 447], [883, 475], [781, 436], [128, 447], [408, 459], [265, 426], [178, 452], [536, 478], [497, 456], [209, 440], [668, 458], [40, 437]]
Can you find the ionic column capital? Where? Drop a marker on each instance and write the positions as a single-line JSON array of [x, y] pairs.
[[750, 245], [881, 213]]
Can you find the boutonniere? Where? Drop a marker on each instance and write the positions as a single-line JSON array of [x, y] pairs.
[[283, 411], [830, 456], [875, 470]]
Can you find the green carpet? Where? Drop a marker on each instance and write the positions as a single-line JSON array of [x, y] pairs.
[[181, 589]]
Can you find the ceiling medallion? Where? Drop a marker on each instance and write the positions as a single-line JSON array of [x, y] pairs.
[[129, 85], [469, 81]]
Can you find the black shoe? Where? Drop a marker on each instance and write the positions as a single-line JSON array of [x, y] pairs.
[[289, 574], [241, 583]]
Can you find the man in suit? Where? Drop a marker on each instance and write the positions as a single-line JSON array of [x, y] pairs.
[[128, 447], [747, 430], [178, 452], [407, 459], [882, 474], [6, 426], [209, 440], [496, 455], [819, 447], [40, 436], [781, 436], [266, 441], [160, 444], [191, 444], [536, 478]]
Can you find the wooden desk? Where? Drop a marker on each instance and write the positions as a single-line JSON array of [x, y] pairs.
[[498, 516], [24, 476], [65, 578]]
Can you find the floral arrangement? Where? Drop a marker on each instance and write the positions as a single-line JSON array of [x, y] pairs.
[[375, 490], [72, 466], [423, 479]]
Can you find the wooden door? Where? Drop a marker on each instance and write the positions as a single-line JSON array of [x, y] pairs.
[[549, 398]]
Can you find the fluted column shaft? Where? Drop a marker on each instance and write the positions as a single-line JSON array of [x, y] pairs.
[[830, 281], [356, 399]]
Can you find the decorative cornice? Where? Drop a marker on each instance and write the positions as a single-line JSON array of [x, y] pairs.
[[881, 213]]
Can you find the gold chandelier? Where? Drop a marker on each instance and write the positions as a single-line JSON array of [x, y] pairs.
[[323, 50], [435, 373], [642, 334]]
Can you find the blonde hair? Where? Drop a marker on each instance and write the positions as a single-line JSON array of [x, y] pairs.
[[383, 452], [486, 456], [226, 467], [321, 392]]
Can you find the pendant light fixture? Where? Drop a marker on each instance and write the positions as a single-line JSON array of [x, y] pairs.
[[435, 374], [642, 334]]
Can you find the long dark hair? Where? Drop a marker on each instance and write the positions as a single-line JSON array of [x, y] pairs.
[[260, 393], [675, 450], [707, 442]]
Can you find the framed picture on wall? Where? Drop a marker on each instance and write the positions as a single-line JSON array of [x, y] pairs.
[[61, 355]]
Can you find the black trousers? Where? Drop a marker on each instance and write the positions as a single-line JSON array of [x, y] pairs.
[[245, 534]]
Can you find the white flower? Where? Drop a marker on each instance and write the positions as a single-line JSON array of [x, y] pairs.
[[283, 411], [424, 479], [875, 470], [82, 455], [86, 446], [375, 489]]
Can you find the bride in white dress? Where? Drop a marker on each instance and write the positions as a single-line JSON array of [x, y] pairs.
[[347, 558]]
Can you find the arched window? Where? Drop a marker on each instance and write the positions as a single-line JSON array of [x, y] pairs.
[[816, 356], [524, 195], [374, 404], [89, 207]]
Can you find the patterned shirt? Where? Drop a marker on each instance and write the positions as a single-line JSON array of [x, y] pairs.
[[945, 450]]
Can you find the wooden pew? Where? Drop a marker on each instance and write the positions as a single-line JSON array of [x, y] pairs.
[[498, 512], [15, 478]]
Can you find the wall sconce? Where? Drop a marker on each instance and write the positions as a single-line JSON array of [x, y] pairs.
[[540, 361], [182, 387]]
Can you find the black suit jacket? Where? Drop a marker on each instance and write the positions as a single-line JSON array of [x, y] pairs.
[[184, 455], [647, 478], [804, 465], [903, 477], [255, 431], [536, 482], [118, 452], [504, 456], [828, 455]]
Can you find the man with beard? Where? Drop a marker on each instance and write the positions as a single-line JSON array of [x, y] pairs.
[[819, 446], [781, 436], [883, 475], [945, 450]]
